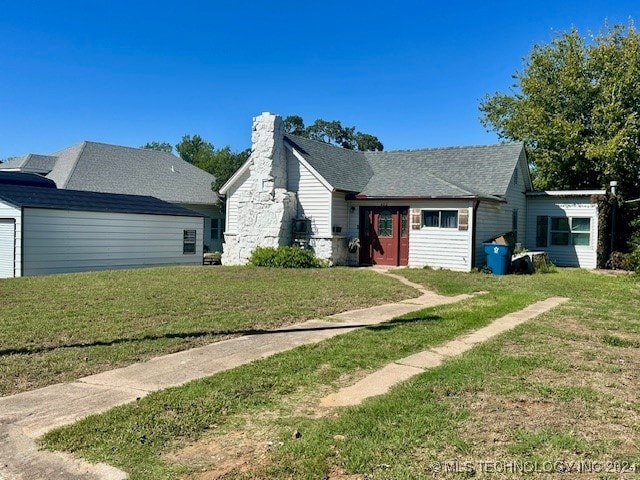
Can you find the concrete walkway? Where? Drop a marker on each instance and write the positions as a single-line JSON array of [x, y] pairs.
[[26, 416], [382, 380]]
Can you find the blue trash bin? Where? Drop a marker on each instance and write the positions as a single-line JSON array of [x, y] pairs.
[[498, 257]]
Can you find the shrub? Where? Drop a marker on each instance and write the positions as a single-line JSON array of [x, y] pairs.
[[619, 261], [285, 257], [634, 260]]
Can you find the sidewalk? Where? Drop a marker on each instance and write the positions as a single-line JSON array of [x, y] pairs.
[[26, 416]]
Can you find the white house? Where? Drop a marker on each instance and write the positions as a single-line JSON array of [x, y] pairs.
[[431, 207], [100, 167], [44, 230]]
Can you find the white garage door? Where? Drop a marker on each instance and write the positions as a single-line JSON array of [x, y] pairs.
[[7, 247]]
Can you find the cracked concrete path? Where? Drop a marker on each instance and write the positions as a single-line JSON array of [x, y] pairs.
[[382, 380], [26, 416]]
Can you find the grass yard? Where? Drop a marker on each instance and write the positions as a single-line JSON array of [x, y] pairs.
[[559, 389], [61, 327]]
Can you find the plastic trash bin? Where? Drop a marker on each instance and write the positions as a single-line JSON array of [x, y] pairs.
[[498, 257]]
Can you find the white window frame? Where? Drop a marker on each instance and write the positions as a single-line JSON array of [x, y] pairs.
[[570, 232], [440, 212], [189, 239]]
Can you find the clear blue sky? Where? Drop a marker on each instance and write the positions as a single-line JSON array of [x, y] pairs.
[[410, 72]]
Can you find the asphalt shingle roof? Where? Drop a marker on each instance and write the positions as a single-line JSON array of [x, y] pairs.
[[101, 167], [344, 169], [31, 162], [479, 171], [50, 198]]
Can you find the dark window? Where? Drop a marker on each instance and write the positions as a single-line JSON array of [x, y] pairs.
[[440, 218], [514, 224], [542, 231], [189, 241]]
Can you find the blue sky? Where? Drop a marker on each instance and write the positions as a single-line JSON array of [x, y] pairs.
[[410, 72]]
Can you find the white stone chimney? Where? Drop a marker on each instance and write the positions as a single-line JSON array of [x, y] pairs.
[[265, 207]]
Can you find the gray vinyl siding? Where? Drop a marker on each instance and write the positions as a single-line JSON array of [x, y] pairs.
[[10, 248], [241, 185], [314, 199], [584, 256], [59, 241], [491, 219], [495, 218]]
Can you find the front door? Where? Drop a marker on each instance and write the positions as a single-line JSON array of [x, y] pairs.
[[384, 236]]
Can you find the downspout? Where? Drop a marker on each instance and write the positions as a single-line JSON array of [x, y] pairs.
[[476, 204]]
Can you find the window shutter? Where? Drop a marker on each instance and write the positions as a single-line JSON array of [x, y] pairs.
[[415, 219], [463, 219]]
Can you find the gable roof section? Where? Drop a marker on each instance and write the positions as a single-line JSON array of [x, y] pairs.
[[36, 197], [101, 167], [343, 169], [476, 171], [483, 171], [30, 163]]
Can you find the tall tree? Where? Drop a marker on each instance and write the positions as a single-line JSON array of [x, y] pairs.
[[332, 132], [220, 162], [576, 107], [161, 147]]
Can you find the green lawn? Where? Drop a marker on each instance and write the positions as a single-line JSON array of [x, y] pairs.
[[562, 387], [58, 328]]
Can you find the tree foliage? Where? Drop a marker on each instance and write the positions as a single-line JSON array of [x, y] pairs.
[[159, 146], [576, 106], [333, 132], [220, 162]]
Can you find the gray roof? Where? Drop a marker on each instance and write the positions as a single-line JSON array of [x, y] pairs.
[[100, 167], [50, 198], [476, 171], [344, 169], [31, 163]]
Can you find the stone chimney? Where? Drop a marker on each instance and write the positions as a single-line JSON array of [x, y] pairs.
[[264, 206]]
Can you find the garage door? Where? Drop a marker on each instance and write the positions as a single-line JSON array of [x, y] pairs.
[[7, 247]]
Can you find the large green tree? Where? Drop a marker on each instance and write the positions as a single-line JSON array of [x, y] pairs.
[[220, 162], [576, 106], [159, 146], [333, 132]]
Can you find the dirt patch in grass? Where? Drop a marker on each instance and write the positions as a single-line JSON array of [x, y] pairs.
[[584, 406], [215, 458]]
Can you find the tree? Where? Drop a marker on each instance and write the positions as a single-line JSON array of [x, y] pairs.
[[161, 147], [576, 106], [221, 163], [332, 132], [194, 150]]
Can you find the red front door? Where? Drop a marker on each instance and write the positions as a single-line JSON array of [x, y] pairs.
[[384, 236]]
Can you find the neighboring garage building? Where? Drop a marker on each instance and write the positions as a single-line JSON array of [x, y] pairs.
[[44, 230]]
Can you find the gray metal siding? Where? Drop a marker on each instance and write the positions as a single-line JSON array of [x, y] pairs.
[[58, 241]]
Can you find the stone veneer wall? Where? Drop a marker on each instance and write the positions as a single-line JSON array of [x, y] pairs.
[[266, 208]]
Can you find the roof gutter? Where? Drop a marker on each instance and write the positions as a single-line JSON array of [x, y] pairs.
[[360, 196]]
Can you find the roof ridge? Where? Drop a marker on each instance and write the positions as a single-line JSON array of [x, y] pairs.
[[75, 164], [453, 147]]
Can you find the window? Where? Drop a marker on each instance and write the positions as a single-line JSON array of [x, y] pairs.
[[563, 231], [514, 224], [217, 227], [542, 231], [188, 241], [385, 224], [440, 218]]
